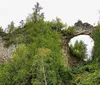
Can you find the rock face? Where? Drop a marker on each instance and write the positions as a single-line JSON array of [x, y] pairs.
[[79, 26], [6, 53]]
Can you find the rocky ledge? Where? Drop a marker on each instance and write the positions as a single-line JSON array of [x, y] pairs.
[[6, 52]]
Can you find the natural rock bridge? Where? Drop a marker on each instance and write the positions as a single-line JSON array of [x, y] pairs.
[[80, 29]]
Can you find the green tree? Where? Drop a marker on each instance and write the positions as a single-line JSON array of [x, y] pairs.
[[69, 32], [57, 24], [78, 50], [36, 15], [1, 29], [38, 58], [96, 38], [11, 27]]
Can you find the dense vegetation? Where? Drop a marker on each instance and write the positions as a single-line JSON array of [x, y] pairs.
[[88, 73], [39, 60], [96, 37], [78, 50]]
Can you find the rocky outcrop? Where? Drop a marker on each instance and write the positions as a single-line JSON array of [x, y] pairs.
[[6, 52], [69, 60], [79, 26]]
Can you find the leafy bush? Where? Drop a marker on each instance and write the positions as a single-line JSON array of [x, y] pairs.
[[57, 25], [78, 50], [65, 75], [68, 32], [96, 38], [87, 75], [37, 60]]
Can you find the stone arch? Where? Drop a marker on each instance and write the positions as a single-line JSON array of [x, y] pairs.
[[65, 41], [79, 33]]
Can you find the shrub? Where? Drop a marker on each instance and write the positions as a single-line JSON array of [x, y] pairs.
[[68, 32], [96, 37], [78, 50]]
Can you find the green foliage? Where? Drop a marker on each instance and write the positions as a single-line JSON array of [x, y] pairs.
[[65, 75], [87, 75], [11, 27], [36, 15], [37, 59], [13, 73], [1, 29], [56, 25], [96, 38], [69, 32], [78, 50]]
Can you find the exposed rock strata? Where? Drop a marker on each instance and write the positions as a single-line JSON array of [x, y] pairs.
[[80, 26], [6, 53]]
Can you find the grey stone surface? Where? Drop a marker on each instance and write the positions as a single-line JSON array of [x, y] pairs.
[[6, 53], [80, 26]]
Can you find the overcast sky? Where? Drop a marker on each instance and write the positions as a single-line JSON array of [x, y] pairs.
[[69, 11]]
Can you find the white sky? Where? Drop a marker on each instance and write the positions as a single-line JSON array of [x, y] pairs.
[[69, 11]]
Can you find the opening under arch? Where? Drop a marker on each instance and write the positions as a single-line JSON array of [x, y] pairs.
[[88, 41]]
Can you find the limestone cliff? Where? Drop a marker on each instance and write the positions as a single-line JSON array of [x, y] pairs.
[[6, 52]]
